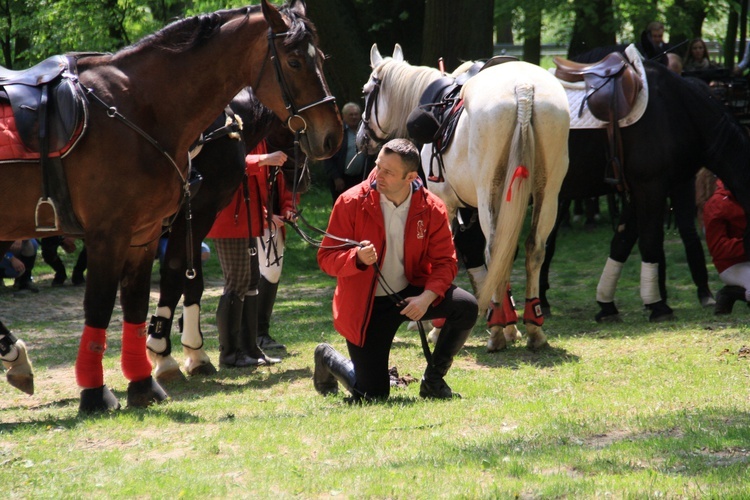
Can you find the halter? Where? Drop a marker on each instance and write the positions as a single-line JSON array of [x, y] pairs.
[[371, 101], [294, 112]]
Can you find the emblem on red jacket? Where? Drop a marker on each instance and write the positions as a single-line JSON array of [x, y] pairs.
[[420, 229]]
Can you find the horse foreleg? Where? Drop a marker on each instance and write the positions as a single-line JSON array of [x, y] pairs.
[[135, 284], [197, 361], [16, 361]]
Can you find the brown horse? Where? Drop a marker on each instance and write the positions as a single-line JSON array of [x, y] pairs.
[[129, 171]]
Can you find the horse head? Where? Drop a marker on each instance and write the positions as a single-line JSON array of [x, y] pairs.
[[305, 103], [391, 92]]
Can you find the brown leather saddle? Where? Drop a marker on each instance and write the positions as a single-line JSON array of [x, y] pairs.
[[612, 86], [49, 112]]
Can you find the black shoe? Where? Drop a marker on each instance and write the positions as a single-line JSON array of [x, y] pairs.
[[323, 380], [436, 389], [267, 342], [726, 297], [26, 285]]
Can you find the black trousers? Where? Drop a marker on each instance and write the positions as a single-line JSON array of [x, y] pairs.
[[459, 307]]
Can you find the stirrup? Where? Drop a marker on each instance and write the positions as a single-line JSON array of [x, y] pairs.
[[42, 203]]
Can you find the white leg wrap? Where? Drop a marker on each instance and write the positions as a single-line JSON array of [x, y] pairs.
[[605, 290], [191, 335], [11, 357], [650, 283], [159, 345], [272, 273]]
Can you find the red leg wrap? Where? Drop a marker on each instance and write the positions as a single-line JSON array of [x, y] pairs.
[[438, 323], [532, 313], [134, 361], [503, 314], [89, 369]]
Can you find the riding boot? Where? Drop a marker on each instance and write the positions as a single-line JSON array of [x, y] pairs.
[[332, 367], [449, 343], [726, 297], [58, 266], [228, 323], [266, 299], [25, 281], [249, 333], [80, 268]]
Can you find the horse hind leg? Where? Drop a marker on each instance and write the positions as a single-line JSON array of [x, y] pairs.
[[18, 369], [502, 322], [197, 361]]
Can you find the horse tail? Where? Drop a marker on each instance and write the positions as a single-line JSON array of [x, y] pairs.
[[509, 205]]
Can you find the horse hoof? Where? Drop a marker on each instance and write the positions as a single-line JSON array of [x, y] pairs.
[[167, 369], [608, 313], [169, 376], [511, 334], [99, 399], [143, 393], [660, 312], [533, 346], [496, 342], [200, 369], [22, 382], [20, 373]]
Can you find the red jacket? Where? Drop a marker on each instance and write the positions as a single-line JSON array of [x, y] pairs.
[[231, 222], [429, 255], [725, 224]]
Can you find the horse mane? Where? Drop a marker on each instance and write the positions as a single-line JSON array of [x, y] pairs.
[[193, 31], [403, 85]]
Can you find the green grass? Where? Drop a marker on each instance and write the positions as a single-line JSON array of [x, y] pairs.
[[628, 410]]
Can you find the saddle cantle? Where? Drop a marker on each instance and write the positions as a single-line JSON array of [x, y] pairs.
[[48, 114], [612, 84]]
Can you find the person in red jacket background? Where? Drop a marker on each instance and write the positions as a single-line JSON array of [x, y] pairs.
[[402, 269], [235, 233], [725, 221]]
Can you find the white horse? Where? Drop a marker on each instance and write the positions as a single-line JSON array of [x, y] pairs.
[[510, 144]]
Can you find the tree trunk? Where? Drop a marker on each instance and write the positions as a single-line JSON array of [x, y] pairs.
[[340, 37], [457, 31], [594, 26], [730, 41], [532, 28]]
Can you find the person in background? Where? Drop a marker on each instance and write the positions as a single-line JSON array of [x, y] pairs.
[[347, 167], [402, 270], [50, 245], [725, 222], [235, 233], [697, 57], [18, 262]]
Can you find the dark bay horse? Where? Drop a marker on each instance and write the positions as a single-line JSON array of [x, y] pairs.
[[128, 172], [684, 127], [221, 163]]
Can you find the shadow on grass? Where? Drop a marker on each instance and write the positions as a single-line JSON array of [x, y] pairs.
[[518, 355]]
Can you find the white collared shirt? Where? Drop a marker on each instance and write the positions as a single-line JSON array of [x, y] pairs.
[[392, 266]]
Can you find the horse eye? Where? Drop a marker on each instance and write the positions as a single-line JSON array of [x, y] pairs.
[[294, 64]]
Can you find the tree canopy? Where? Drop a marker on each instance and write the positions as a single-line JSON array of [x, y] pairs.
[[32, 30]]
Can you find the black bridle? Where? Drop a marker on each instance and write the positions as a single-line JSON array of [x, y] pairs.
[[371, 103], [286, 94]]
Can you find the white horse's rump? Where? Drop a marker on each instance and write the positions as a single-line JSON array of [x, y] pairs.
[[510, 144]]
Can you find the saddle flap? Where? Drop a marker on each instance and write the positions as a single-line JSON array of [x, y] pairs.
[[42, 73]]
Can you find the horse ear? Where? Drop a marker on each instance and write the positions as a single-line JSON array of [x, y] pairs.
[[398, 54], [375, 57], [298, 7], [273, 17]]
